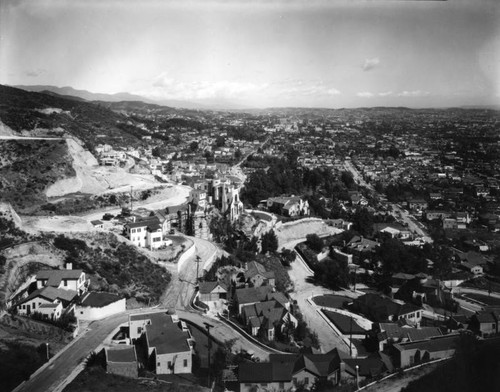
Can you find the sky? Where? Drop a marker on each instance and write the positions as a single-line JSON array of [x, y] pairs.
[[336, 53]]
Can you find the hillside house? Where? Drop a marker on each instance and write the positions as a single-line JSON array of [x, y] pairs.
[[287, 372], [65, 279], [96, 306], [167, 345], [485, 323], [51, 302], [379, 308], [146, 233], [267, 317], [412, 353], [288, 206], [257, 275], [122, 361]]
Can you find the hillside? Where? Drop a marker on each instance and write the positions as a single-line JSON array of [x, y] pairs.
[[31, 114], [29, 167]]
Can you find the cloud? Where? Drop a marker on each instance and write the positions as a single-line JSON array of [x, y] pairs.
[[365, 94], [415, 93], [168, 88], [369, 64], [385, 94], [299, 87]]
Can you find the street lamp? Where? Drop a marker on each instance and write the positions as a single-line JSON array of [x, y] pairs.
[[47, 347], [357, 377]]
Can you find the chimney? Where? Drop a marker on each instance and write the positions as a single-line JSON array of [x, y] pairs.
[[69, 266]]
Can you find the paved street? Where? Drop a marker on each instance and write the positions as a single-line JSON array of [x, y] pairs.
[[66, 361], [327, 337]]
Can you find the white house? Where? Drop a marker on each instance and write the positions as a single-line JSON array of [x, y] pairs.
[[166, 341], [68, 279], [96, 306], [48, 301]]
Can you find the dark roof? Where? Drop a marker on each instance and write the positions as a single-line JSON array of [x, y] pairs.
[[252, 294], [208, 287], [54, 277], [165, 335], [96, 222], [51, 294], [99, 300], [257, 372], [120, 354], [441, 343]]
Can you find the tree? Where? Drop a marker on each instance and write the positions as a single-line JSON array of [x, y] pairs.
[[347, 179], [314, 242], [220, 141], [287, 257], [193, 146], [269, 242], [237, 154]]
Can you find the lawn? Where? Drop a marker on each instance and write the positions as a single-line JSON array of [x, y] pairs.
[[331, 301]]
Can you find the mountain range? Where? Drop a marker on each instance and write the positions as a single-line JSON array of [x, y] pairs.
[[70, 92]]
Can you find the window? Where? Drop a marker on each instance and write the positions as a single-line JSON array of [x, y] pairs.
[[159, 364], [185, 363], [139, 330], [169, 364], [263, 384], [294, 380], [81, 311], [306, 381], [65, 282], [282, 385]]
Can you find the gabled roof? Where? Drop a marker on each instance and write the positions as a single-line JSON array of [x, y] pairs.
[[51, 294], [254, 268], [208, 287], [252, 294], [55, 277]]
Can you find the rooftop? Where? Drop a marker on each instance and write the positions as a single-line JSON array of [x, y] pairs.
[[98, 300], [121, 354]]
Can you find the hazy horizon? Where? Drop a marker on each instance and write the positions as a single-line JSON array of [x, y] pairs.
[[260, 54]]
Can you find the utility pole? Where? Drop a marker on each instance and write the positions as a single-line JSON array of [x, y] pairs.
[[47, 346], [208, 326], [131, 187]]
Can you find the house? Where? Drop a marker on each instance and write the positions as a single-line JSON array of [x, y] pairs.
[[212, 291], [257, 275], [412, 353], [51, 302], [359, 244], [146, 233], [389, 333], [251, 295], [267, 317], [485, 323], [122, 361], [379, 308], [96, 306], [166, 344], [284, 372], [417, 204], [97, 224], [66, 279], [437, 214], [288, 206]]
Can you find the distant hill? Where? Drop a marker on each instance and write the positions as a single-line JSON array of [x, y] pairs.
[[89, 96], [29, 112]]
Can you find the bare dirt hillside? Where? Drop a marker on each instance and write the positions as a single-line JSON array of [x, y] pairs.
[[91, 178], [5, 130]]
